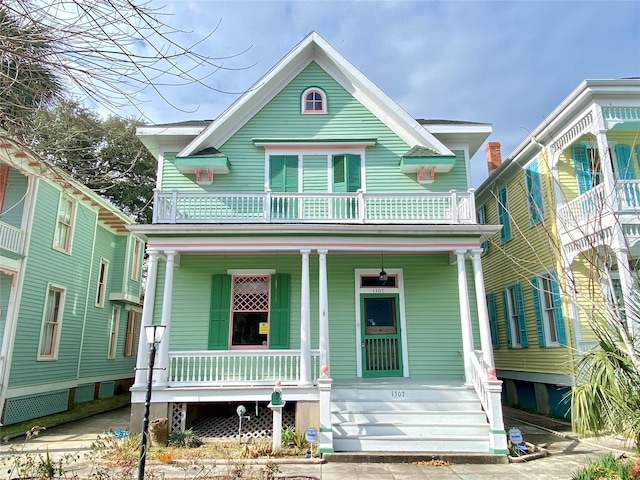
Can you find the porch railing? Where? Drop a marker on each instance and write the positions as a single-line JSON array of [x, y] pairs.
[[587, 207], [271, 207], [10, 238], [488, 390], [235, 367]]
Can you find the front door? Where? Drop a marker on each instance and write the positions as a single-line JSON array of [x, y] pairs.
[[381, 343]]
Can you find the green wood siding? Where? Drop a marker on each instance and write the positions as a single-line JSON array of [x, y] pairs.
[[5, 292], [315, 174], [13, 204], [431, 296], [347, 118]]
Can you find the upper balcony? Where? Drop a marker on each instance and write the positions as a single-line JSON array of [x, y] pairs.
[[350, 208], [11, 238], [588, 219]]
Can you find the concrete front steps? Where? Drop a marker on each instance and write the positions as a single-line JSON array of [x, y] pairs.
[[406, 416]]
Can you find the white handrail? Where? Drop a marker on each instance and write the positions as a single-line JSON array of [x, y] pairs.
[[10, 238]]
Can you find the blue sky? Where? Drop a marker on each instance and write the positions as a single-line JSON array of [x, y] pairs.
[[505, 63]]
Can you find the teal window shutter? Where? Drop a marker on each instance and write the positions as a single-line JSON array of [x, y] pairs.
[[582, 168], [522, 323], [626, 170], [346, 173], [534, 193], [283, 173], [507, 320], [220, 312], [537, 308], [493, 319], [279, 311], [557, 309], [481, 216], [503, 215]]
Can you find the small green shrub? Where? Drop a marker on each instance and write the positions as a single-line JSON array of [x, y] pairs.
[[288, 436], [605, 467], [185, 439]]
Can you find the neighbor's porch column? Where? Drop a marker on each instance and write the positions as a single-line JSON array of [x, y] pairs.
[[305, 322], [147, 319], [167, 297], [483, 313], [465, 313], [323, 307]]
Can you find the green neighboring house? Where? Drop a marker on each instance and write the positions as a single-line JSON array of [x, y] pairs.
[[568, 200], [70, 291], [317, 235]]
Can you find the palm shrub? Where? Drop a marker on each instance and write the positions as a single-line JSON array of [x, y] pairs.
[[185, 438], [605, 467]]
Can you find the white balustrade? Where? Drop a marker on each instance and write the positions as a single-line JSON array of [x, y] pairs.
[[275, 207], [234, 367], [10, 238], [587, 207]]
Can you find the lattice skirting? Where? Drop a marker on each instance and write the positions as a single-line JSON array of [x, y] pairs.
[[178, 416], [33, 406], [254, 427]]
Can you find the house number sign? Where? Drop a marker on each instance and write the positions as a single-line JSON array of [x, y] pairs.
[[397, 393]]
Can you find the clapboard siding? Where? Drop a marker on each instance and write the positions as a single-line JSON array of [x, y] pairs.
[[432, 311], [346, 118], [47, 265], [14, 195], [531, 250], [315, 175]]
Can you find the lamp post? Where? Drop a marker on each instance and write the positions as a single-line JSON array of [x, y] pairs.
[[154, 335]]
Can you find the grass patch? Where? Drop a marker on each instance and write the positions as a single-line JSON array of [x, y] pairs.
[[80, 410]]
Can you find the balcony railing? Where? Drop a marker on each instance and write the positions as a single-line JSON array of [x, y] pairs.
[[270, 207], [593, 205], [10, 238], [236, 367]]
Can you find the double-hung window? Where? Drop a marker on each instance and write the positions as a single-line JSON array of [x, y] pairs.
[[113, 331], [535, 200], [547, 304], [503, 215], [493, 319], [132, 328], [135, 261], [51, 324], [64, 224], [102, 282], [515, 322]]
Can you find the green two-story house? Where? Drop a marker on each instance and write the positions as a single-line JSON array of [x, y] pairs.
[[70, 290], [318, 235]]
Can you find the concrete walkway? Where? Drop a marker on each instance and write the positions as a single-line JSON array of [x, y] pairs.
[[567, 453]]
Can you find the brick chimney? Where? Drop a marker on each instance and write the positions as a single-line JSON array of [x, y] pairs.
[[494, 158]]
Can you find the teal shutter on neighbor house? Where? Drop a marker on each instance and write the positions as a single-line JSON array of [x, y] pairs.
[[537, 308], [522, 323], [582, 168], [220, 312], [534, 193], [626, 170], [557, 309], [346, 173], [507, 320], [481, 215], [493, 319], [283, 173], [279, 311], [503, 215]]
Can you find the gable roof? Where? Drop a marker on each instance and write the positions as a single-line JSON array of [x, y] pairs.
[[314, 48], [31, 164]]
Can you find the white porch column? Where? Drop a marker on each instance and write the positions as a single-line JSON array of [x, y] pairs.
[[305, 322], [323, 307], [167, 297], [465, 314], [626, 285], [483, 313], [147, 319]]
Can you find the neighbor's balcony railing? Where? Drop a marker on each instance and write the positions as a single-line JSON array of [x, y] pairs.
[[593, 205], [10, 238], [270, 207], [238, 367]]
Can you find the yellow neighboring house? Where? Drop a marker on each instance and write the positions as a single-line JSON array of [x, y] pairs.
[[568, 200]]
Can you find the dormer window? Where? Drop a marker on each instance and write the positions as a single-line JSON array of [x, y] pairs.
[[314, 101]]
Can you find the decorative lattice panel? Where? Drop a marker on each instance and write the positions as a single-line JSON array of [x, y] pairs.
[[84, 393], [106, 389], [253, 427], [251, 294], [34, 406], [178, 417]]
